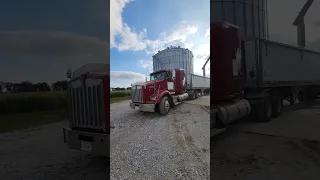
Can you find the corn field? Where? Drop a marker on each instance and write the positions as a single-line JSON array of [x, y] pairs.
[[11, 103]]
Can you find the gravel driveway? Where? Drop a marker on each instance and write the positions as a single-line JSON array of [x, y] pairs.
[[150, 146], [40, 153]]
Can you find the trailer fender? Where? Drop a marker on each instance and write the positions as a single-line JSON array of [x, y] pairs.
[[163, 93], [255, 97], [258, 94]]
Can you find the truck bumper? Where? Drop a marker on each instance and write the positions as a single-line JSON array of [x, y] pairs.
[[143, 107], [95, 143]]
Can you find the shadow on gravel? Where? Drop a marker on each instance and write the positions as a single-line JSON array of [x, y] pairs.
[[304, 105], [86, 167]]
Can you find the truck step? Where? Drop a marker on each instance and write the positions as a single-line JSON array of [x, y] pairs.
[[177, 103], [215, 131]]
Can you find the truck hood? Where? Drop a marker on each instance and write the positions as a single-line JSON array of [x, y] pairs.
[[139, 84], [144, 83]]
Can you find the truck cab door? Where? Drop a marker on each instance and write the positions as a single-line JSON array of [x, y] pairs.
[[171, 80]]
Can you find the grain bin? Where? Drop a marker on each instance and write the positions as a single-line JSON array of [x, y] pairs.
[[249, 15], [174, 58]]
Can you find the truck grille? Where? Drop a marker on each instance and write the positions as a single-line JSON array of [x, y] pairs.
[[86, 104], [136, 95]]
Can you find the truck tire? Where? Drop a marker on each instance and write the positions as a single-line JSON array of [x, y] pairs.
[[193, 96], [301, 96], [264, 110], [164, 106], [196, 94], [277, 104]]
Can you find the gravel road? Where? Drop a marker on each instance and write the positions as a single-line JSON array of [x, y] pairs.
[[150, 146], [40, 154], [286, 148]]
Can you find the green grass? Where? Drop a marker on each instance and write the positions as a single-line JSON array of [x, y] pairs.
[[119, 99], [23, 110], [21, 121], [12, 103], [120, 94]]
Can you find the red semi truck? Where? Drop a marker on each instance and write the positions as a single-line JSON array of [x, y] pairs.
[[167, 88], [89, 103], [252, 78]]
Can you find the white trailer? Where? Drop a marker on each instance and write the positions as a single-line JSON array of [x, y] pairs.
[[197, 85]]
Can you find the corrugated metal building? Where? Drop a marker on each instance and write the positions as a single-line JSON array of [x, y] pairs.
[[173, 58], [249, 15]]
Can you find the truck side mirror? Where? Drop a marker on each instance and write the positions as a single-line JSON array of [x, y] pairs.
[[69, 73]]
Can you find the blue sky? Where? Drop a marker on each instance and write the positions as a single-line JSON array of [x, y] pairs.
[[140, 28]]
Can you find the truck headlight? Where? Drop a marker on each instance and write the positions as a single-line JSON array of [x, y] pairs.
[[152, 98]]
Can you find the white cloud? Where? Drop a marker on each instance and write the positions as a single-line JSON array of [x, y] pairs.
[[129, 40], [178, 37], [125, 78], [208, 33], [201, 54], [145, 64]]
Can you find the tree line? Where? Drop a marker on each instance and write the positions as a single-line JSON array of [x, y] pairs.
[[120, 89], [27, 86]]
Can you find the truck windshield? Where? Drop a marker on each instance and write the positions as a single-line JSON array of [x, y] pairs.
[[159, 75]]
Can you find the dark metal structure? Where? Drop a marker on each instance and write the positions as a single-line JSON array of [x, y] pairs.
[[204, 66], [299, 22]]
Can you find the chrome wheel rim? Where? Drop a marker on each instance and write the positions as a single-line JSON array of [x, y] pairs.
[[166, 106]]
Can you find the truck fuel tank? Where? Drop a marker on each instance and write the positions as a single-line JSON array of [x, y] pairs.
[[233, 110], [183, 97]]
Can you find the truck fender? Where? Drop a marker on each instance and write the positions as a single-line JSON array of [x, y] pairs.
[[163, 93]]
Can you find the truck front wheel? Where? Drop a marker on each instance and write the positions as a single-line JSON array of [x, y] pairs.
[[164, 106]]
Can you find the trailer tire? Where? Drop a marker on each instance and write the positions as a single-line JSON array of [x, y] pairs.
[[301, 96], [264, 109], [277, 104], [193, 96], [196, 94], [164, 106]]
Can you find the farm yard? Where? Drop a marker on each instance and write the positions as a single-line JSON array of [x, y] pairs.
[[23, 110]]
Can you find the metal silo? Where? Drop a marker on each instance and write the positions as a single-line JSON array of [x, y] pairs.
[[173, 58], [249, 15]]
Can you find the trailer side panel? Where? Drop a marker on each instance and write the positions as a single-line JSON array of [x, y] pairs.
[[274, 64], [199, 82]]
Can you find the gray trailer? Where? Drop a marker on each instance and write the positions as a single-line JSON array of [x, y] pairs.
[[272, 64], [197, 85], [292, 71]]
